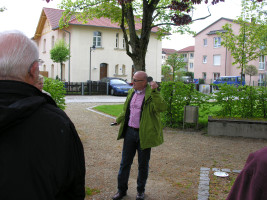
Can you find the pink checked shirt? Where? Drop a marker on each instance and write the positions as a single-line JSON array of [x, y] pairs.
[[135, 108]]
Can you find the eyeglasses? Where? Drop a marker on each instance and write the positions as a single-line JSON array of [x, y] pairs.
[[137, 80]]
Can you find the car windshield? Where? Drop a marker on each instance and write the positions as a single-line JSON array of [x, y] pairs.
[[117, 82]]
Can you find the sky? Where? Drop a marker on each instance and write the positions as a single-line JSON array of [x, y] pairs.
[[24, 15]]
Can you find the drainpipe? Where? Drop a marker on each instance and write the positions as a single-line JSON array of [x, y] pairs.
[[69, 58]]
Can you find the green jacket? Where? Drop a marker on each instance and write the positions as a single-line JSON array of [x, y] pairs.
[[150, 130]]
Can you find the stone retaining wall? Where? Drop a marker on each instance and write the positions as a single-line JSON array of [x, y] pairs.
[[237, 127]]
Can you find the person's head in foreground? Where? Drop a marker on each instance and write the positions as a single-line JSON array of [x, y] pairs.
[[18, 58]]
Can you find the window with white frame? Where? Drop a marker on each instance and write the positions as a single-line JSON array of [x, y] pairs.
[[191, 65], [117, 40], [216, 76], [123, 70], [205, 42], [217, 42], [204, 75], [97, 39], [44, 46], [116, 69], [184, 55], [191, 55], [216, 60], [262, 62], [204, 59], [52, 42]]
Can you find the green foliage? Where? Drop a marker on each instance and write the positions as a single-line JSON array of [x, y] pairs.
[[191, 74], [126, 14], [57, 90], [251, 41], [166, 72], [242, 102], [60, 52], [177, 64], [177, 95], [228, 102]]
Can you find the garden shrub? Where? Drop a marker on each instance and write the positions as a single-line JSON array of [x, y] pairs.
[[57, 90]]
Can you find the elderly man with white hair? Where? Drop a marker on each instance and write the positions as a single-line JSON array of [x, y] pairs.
[[41, 155]]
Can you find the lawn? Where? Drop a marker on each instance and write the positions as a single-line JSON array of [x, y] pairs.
[[115, 110]]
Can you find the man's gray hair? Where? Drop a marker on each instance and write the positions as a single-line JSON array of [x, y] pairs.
[[17, 54]]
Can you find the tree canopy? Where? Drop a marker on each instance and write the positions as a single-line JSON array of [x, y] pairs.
[[251, 42], [165, 15], [177, 64], [60, 53]]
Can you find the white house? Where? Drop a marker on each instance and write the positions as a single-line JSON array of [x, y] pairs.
[[108, 59]]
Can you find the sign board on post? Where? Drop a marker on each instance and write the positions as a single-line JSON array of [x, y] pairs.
[[191, 115]]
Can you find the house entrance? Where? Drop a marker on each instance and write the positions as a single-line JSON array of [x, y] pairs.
[[103, 70]]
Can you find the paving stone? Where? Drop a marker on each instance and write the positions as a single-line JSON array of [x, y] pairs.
[[205, 197], [203, 192], [226, 170], [204, 182], [203, 187], [204, 178], [216, 169], [236, 171], [204, 169], [204, 172], [205, 175]]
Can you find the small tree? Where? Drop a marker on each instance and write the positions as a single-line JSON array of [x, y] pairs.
[[60, 53], [177, 64], [250, 43], [251, 70], [166, 72]]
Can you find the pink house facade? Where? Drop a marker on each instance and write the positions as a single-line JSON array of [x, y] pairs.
[[212, 60]]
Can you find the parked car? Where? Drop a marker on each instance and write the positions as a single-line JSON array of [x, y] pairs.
[[187, 79], [229, 80], [107, 79], [117, 86]]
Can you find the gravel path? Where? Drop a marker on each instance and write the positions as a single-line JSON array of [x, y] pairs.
[[174, 167]]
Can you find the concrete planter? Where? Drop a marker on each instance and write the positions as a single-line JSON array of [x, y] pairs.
[[237, 127]]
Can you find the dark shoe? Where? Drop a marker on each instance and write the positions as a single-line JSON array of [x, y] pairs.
[[119, 195], [140, 196]]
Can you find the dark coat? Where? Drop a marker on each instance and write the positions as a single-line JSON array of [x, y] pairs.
[[251, 183], [41, 155]]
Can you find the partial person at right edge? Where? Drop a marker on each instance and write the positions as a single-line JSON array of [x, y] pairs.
[[41, 155], [251, 183]]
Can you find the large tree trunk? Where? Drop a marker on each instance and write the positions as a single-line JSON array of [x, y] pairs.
[[137, 42]]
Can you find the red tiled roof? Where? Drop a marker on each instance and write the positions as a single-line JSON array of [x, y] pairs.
[[168, 51], [54, 15], [187, 49]]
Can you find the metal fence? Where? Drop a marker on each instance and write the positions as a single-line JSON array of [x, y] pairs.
[[86, 88]]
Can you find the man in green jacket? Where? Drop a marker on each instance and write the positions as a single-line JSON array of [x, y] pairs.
[[141, 128]]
